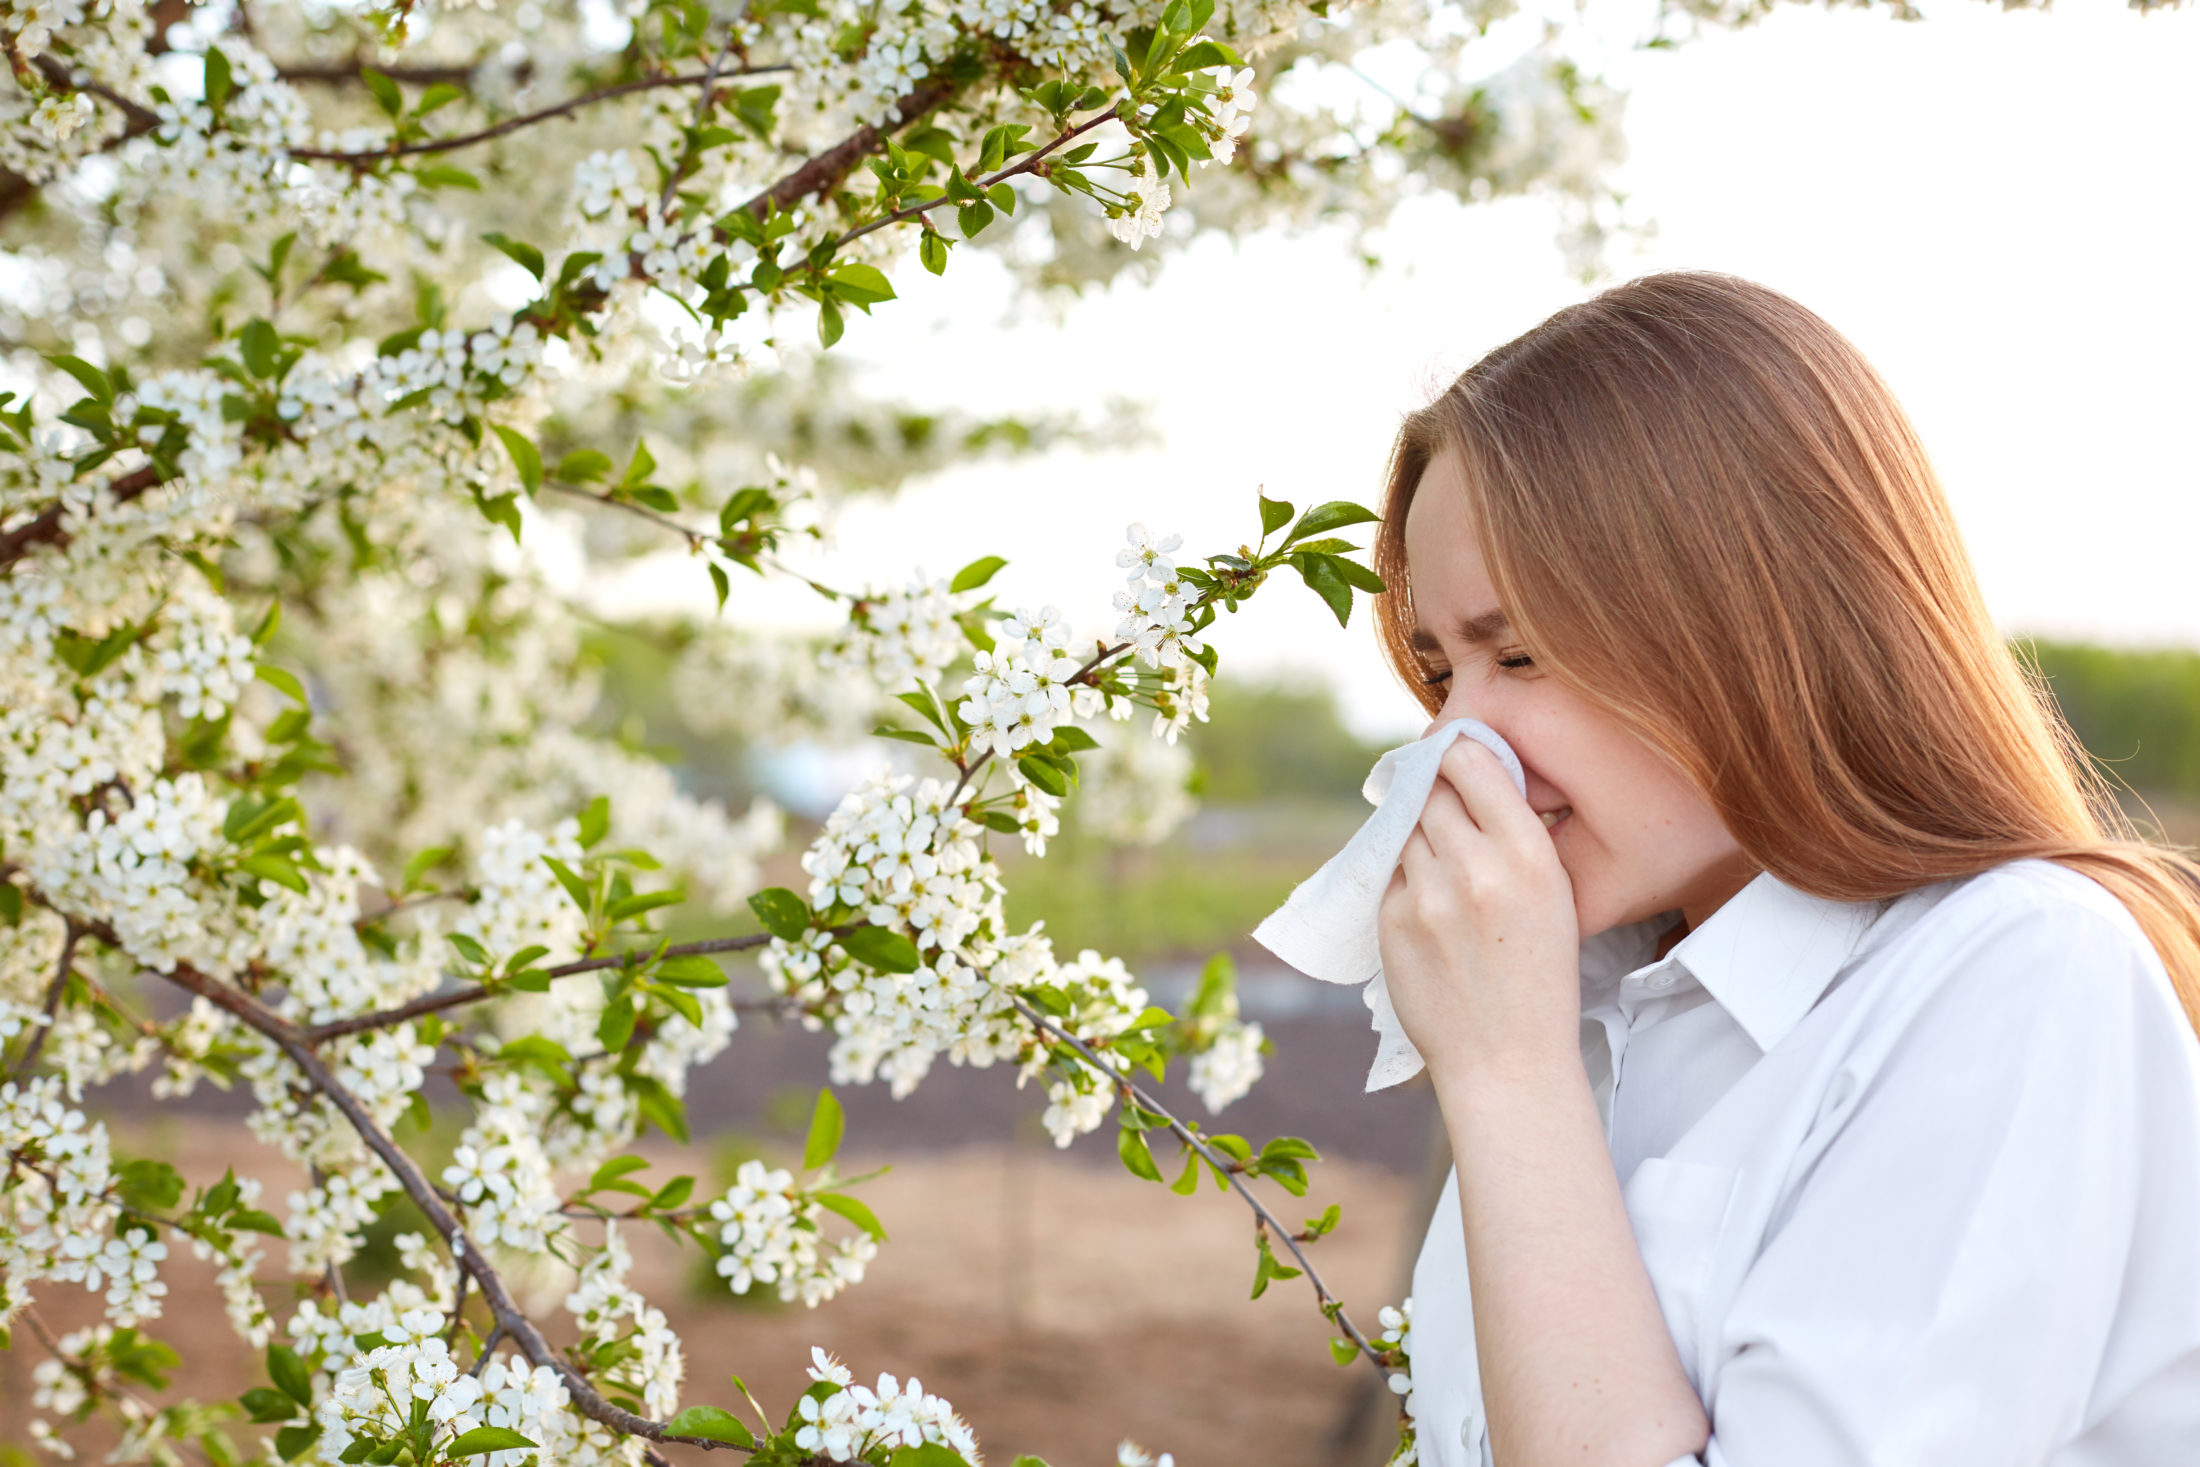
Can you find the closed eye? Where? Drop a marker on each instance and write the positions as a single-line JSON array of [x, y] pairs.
[[1521, 660]]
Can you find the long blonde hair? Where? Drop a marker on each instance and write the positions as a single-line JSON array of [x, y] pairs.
[[1703, 509]]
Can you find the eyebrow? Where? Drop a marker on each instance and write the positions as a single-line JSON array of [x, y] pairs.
[[1473, 630]]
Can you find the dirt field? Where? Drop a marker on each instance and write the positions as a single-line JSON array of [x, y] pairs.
[[1058, 1302]]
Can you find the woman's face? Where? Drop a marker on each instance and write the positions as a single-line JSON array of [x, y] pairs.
[[1633, 834]]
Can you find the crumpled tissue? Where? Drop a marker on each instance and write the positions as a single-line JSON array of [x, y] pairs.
[[1326, 929]]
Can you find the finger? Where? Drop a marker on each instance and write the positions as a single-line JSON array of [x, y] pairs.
[[1486, 791], [1419, 861], [1450, 830]]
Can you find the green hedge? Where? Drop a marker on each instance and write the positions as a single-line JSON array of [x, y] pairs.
[[2137, 712]]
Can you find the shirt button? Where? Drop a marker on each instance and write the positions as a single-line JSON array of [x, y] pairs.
[[1660, 981], [1470, 1432]]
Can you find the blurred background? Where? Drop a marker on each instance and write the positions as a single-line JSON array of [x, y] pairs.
[[2001, 208]]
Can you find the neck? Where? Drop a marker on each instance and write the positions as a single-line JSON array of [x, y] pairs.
[[1713, 892]]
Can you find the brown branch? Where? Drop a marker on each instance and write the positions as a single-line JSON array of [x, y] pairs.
[[54, 991], [824, 173], [335, 73], [528, 119], [459, 997], [44, 528], [1332, 1307], [513, 1320]]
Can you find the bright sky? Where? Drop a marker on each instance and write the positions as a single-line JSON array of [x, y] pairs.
[[2002, 210]]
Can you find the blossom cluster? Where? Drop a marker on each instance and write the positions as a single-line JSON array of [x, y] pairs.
[[373, 1394], [898, 638], [58, 1216], [1397, 1336], [848, 1422], [771, 1231]]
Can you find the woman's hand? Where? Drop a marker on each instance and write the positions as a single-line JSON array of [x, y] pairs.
[[1479, 940]]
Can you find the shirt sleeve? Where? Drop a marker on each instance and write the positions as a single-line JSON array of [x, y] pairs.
[[1990, 1240]]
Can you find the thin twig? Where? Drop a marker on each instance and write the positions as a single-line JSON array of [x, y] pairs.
[[458, 998], [514, 124], [54, 991], [696, 539], [1332, 1307]]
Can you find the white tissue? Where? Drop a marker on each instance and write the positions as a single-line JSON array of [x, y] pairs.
[[1326, 929]]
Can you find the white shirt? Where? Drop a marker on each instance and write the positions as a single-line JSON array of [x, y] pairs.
[[1916, 1182]]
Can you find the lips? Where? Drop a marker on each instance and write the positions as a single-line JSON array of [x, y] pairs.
[[1550, 818]]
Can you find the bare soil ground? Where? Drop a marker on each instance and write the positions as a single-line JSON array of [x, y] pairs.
[[1060, 1304]]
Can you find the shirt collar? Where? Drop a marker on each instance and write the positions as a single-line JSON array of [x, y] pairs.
[[1770, 952]]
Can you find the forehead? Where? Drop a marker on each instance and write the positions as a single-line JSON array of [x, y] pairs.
[[1451, 581]]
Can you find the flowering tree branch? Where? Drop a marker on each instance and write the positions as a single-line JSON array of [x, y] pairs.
[[1224, 1166], [510, 125], [476, 993], [514, 1321]]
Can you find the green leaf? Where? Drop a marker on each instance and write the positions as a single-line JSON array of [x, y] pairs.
[[252, 1220], [976, 574], [672, 1194], [861, 285], [614, 1169], [422, 863], [1070, 739], [1274, 515], [149, 1186], [259, 347], [1344, 1352], [525, 456], [528, 257], [293, 1442], [385, 91], [615, 1026], [570, 879], [1046, 776], [1204, 56], [829, 323], [711, 1424], [933, 251], [1333, 515], [931, 1454], [1187, 1184], [1321, 577], [849, 1208], [1130, 1145], [266, 1406], [443, 175], [595, 820], [584, 466], [906, 735], [1326, 1224], [289, 1373], [442, 94], [220, 85], [89, 377], [282, 682], [784, 915], [469, 949], [1001, 821], [973, 218], [719, 582], [827, 1122], [691, 970], [487, 1439], [645, 901], [1356, 574], [882, 949], [1284, 1147], [639, 467]]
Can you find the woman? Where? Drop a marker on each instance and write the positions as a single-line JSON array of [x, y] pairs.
[[1815, 1039]]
